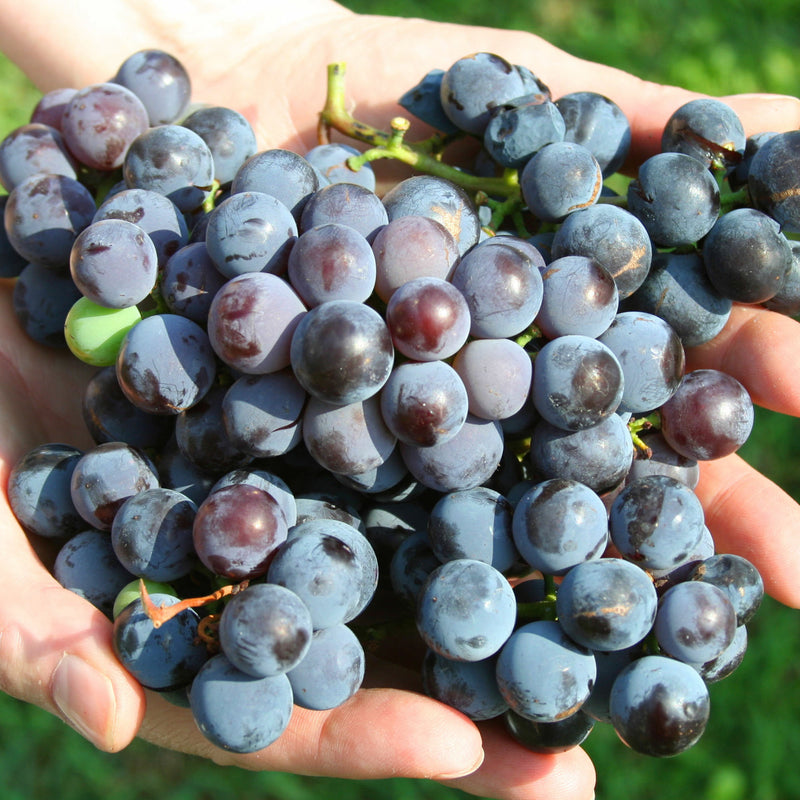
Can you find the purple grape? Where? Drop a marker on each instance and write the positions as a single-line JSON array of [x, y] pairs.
[[160, 81], [101, 122]]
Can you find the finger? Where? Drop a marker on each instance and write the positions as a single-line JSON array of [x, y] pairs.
[[55, 651], [750, 515], [377, 733], [759, 348], [528, 775]]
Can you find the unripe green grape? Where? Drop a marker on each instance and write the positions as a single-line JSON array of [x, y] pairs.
[[95, 333], [130, 592]]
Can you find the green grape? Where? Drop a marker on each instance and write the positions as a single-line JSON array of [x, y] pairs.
[[95, 333], [130, 592]]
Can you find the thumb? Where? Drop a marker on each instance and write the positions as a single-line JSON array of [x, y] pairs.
[[56, 652]]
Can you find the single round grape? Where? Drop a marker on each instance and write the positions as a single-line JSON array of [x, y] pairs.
[[265, 630], [607, 604], [562, 680], [466, 611], [341, 352], [428, 319], [659, 706], [709, 416]]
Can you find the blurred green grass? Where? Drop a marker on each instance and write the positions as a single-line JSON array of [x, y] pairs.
[[751, 747]]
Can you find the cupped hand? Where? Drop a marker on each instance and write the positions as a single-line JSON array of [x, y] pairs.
[[55, 649]]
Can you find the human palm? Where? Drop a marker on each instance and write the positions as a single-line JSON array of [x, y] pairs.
[[275, 75]]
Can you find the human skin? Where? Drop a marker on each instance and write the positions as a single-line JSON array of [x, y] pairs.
[[55, 649]]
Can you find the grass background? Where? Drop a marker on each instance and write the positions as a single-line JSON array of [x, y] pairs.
[[751, 747]]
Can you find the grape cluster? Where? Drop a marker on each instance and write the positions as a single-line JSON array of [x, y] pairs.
[[313, 404]]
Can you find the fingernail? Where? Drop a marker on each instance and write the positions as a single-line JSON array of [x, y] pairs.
[[450, 776], [86, 699]]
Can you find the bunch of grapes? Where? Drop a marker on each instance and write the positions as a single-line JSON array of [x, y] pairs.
[[320, 413]]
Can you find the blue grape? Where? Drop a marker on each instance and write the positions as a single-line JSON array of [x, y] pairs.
[[152, 534], [561, 681], [710, 415], [727, 661], [519, 128], [332, 670], [50, 107], [165, 364], [485, 364], [737, 577], [189, 282], [324, 571], [330, 160], [412, 247], [424, 101], [473, 84], [464, 461], [229, 137], [265, 630], [599, 124], [746, 256], [559, 523], [659, 706], [281, 173], [599, 456], [440, 200], [162, 658], [577, 382], [473, 523], [114, 263], [250, 232], [237, 531], [269, 482], [34, 149], [411, 564], [549, 737], [663, 460], [39, 491], [44, 215], [347, 204], [347, 439], [468, 686], [561, 178], [706, 129], [332, 262], [424, 403], [466, 610], [696, 622], [105, 477], [236, 711], [11, 262], [341, 352], [160, 81], [351, 535], [42, 298], [613, 237], [656, 521], [251, 322], [155, 214], [579, 297], [428, 318], [651, 356], [173, 161], [502, 285], [607, 604], [87, 565], [177, 472], [678, 290], [261, 413], [100, 123], [676, 198]]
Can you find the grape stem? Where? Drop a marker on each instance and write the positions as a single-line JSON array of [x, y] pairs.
[[423, 156], [163, 613]]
